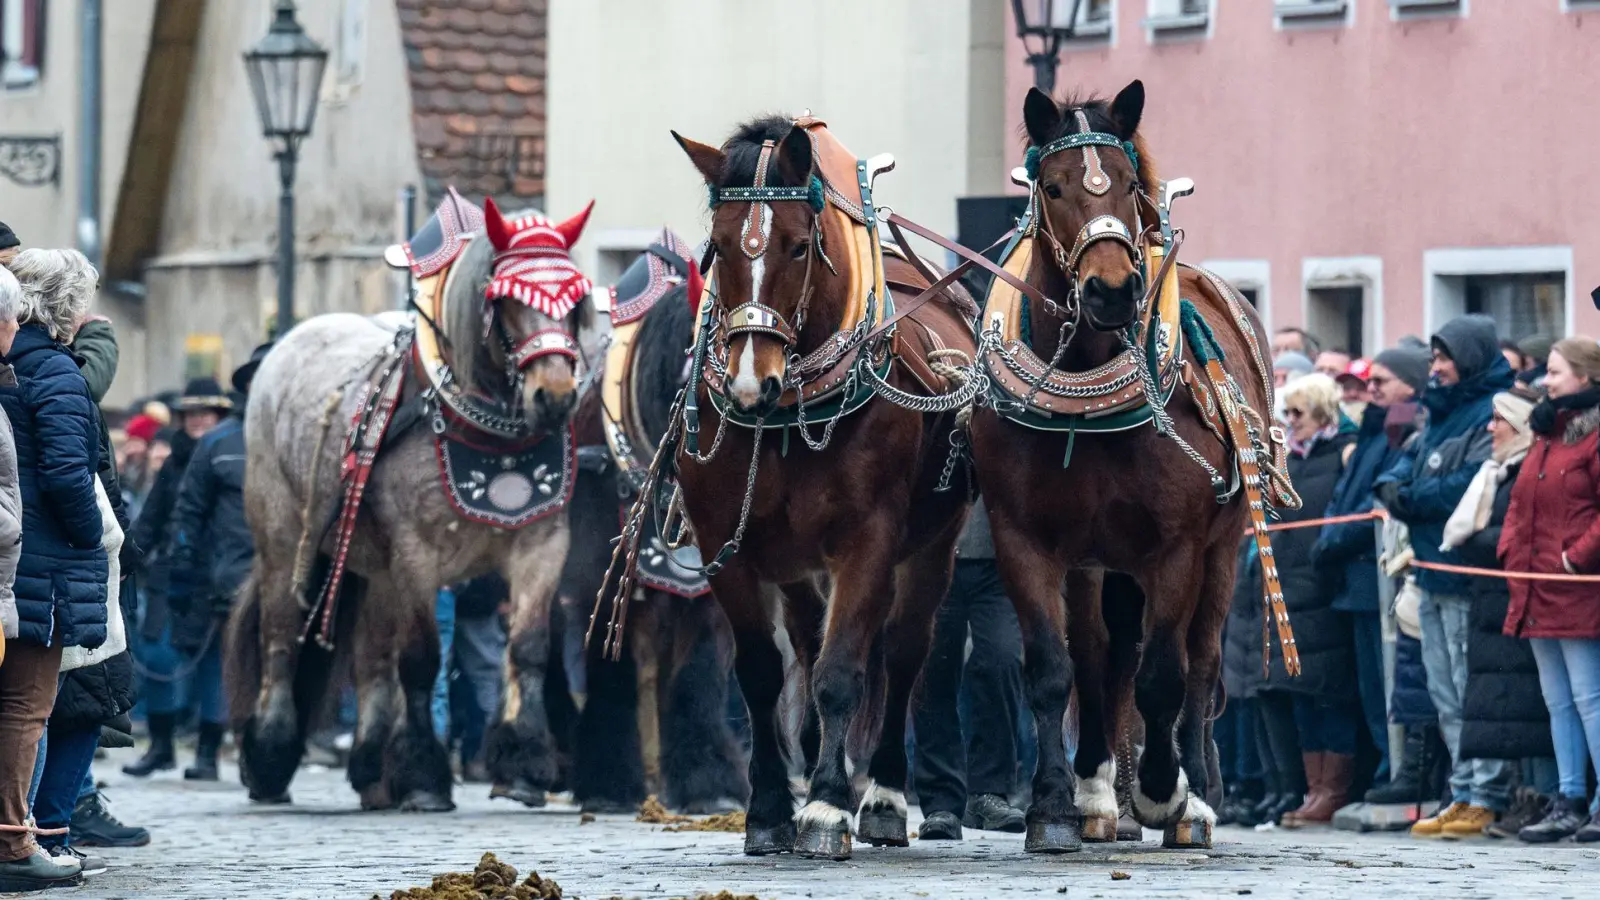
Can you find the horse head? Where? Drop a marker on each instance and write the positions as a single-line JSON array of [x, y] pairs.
[[1091, 174], [533, 308], [767, 233]]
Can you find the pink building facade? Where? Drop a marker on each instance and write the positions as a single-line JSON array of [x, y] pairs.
[[1369, 169]]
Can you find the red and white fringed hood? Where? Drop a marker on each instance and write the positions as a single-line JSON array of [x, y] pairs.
[[533, 262]]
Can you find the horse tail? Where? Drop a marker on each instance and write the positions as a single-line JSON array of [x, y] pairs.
[[867, 728], [241, 651]]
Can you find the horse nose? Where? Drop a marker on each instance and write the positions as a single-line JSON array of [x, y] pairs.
[[1129, 291], [771, 389], [1136, 284], [552, 406]]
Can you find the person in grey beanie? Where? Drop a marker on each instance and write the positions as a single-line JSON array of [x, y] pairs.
[[1408, 364]]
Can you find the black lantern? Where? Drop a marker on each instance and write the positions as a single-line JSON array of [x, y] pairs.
[[1042, 25], [285, 70]]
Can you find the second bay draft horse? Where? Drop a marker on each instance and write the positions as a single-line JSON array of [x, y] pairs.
[[816, 440], [1140, 516]]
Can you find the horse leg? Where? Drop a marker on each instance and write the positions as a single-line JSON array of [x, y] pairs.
[[769, 824], [862, 599], [701, 770], [378, 697], [1159, 688], [804, 612], [921, 583], [519, 748], [1033, 579], [608, 772], [415, 762], [264, 655], [1096, 760], [1205, 668], [1122, 607]]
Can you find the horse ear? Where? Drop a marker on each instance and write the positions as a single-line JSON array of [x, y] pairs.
[[1041, 116], [1128, 108], [494, 225], [572, 228], [709, 160], [794, 156]]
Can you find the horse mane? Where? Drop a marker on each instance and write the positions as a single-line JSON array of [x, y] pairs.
[[1097, 110], [665, 333], [463, 314], [743, 151]]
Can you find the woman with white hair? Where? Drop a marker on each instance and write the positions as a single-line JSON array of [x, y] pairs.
[[42, 412], [63, 570], [1318, 713]]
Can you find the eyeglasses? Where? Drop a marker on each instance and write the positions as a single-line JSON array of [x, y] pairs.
[[1293, 413], [1378, 381]]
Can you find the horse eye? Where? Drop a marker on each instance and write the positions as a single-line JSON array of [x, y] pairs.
[[1052, 191], [799, 251]]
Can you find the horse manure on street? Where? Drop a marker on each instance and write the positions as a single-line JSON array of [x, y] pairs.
[[491, 880], [652, 812]]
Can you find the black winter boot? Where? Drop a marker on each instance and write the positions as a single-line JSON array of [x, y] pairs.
[[1566, 817], [160, 756], [1410, 783], [205, 754]]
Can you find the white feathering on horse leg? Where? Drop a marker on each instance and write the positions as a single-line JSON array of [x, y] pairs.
[[1149, 810], [880, 797], [1199, 811], [821, 814], [1097, 795]]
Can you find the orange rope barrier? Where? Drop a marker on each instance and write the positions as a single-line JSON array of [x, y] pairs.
[[1437, 567]]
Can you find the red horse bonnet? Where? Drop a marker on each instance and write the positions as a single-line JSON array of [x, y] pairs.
[[532, 260]]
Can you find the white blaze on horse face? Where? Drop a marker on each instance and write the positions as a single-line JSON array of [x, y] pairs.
[[746, 386]]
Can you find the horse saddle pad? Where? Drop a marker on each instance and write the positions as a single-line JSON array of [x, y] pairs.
[[661, 567], [508, 488]]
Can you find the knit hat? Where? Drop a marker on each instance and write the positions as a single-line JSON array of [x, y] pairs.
[[142, 427], [8, 238], [1293, 362], [1515, 406], [204, 393], [1536, 347], [1409, 364]]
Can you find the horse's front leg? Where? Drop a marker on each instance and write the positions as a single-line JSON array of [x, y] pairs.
[[519, 750], [863, 595], [1033, 576], [1096, 763], [1204, 645], [1160, 688]]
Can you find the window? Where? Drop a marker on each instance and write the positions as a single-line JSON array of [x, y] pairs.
[[21, 42], [1169, 17], [1522, 305], [1336, 317], [1405, 9], [1311, 12], [350, 50], [1094, 17]]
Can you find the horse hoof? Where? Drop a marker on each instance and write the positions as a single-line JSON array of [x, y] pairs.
[[821, 841], [1052, 837], [883, 828], [426, 802], [1129, 829], [760, 841], [272, 800], [1100, 830], [602, 806], [521, 791], [375, 797], [1187, 836]]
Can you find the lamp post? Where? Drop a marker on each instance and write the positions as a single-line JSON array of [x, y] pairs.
[[285, 70], [1042, 25]]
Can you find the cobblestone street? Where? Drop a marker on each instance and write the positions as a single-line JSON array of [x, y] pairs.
[[210, 842]]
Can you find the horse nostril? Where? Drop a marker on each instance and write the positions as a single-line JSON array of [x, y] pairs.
[[1136, 284], [1093, 285], [771, 387]]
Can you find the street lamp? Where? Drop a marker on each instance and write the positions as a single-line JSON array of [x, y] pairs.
[[1042, 21], [286, 78]]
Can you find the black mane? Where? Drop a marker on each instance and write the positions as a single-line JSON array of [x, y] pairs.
[[743, 150], [665, 334]]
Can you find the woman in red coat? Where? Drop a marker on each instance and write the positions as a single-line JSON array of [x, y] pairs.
[[1553, 526]]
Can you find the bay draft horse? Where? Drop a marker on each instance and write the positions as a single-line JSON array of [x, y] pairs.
[[862, 510], [655, 721], [1132, 526], [408, 539]]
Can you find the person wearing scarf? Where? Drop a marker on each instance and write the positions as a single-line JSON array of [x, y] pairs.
[[1552, 527], [1502, 708]]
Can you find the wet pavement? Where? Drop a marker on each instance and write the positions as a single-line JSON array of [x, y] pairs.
[[210, 842]]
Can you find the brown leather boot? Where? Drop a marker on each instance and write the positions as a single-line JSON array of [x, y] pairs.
[[1336, 775], [1313, 764]]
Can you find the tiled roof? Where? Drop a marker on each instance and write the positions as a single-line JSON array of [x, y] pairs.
[[477, 95]]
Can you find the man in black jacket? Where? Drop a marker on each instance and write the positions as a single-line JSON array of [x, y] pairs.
[[165, 691], [211, 554]]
